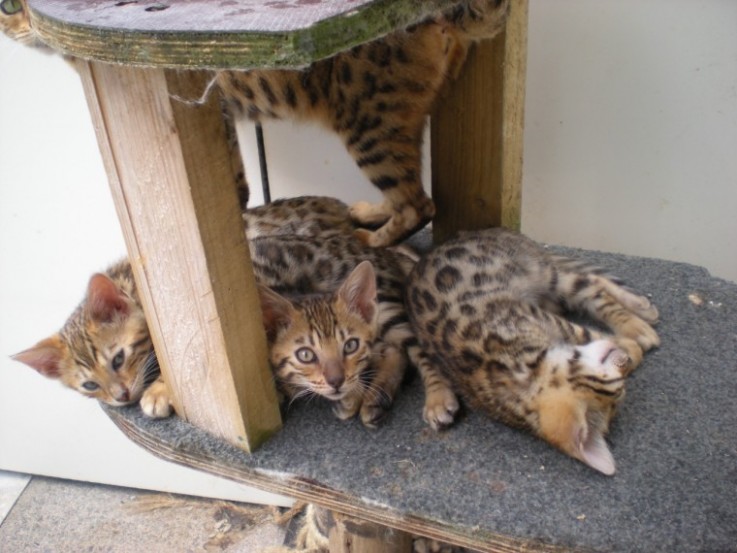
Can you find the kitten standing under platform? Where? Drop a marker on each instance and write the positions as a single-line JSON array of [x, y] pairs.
[[376, 97], [486, 309]]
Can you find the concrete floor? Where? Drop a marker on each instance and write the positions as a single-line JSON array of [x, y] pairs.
[[60, 516]]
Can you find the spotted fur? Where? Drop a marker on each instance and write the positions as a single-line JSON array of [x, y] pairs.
[[301, 216], [303, 309], [104, 350], [488, 307], [110, 321], [376, 97], [110, 324]]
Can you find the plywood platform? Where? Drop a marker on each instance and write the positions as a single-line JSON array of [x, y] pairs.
[[485, 486]]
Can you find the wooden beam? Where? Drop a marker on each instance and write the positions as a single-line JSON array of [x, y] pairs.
[[352, 535], [172, 181], [477, 132]]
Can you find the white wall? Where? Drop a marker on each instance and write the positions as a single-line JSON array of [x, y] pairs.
[[57, 227], [631, 128]]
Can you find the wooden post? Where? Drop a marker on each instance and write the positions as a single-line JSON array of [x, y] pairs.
[[352, 535], [477, 132], [172, 181]]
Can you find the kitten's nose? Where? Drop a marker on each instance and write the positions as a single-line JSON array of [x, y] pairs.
[[123, 395], [334, 376]]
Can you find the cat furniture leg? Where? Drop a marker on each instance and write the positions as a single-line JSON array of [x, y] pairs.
[[351, 535], [477, 132], [173, 183]]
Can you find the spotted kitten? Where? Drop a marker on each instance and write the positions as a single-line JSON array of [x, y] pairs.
[[376, 97], [338, 328], [487, 306]]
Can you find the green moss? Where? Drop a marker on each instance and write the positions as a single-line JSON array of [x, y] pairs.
[[219, 50]]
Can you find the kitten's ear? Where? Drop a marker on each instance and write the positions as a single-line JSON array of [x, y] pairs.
[[45, 356], [276, 310], [359, 291], [592, 449], [104, 299]]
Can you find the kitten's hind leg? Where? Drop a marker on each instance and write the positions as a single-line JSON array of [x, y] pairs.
[[391, 159], [582, 336], [406, 217], [639, 305], [622, 311]]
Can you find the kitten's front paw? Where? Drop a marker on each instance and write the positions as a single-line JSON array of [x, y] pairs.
[[373, 412], [155, 402], [347, 407], [441, 406], [633, 351]]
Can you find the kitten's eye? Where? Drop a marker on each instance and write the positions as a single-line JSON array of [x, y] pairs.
[[90, 386], [306, 355], [118, 360], [350, 346]]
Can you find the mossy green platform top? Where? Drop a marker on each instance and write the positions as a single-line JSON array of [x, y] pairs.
[[219, 33]]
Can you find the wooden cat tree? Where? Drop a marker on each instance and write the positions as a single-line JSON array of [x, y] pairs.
[[480, 484], [170, 172]]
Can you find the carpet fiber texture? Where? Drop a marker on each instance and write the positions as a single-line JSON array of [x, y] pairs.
[[674, 441]]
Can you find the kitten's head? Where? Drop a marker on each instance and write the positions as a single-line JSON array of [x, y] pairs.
[[103, 351], [322, 344], [586, 384]]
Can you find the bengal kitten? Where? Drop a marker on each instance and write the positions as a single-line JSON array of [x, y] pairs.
[[376, 97], [337, 325], [487, 307]]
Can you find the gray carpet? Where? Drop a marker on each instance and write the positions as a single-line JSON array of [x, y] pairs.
[[674, 441]]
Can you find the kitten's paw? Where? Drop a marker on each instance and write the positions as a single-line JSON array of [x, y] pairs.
[[403, 222], [634, 353], [155, 401], [635, 303], [641, 332], [347, 407], [366, 213], [647, 311], [441, 406], [375, 411], [607, 361]]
